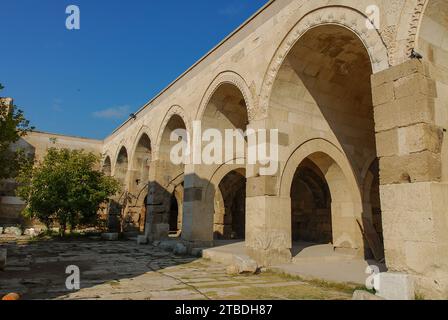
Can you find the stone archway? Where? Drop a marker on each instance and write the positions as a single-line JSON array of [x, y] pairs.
[[424, 22], [138, 185], [345, 202], [226, 109], [165, 199], [311, 205], [337, 16], [431, 34], [118, 204], [431, 41], [224, 120], [230, 207], [231, 79], [121, 167], [324, 86]]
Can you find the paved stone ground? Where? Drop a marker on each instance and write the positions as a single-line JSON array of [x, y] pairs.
[[123, 270]]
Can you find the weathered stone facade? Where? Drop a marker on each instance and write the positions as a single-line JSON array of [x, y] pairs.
[[362, 126]]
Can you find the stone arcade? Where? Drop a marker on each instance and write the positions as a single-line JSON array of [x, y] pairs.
[[362, 138]]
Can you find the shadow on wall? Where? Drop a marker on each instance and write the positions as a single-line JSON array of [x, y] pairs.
[[213, 212], [230, 207], [164, 210]]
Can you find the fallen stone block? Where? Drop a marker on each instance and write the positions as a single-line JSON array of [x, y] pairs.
[[3, 254], [232, 270], [15, 231], [197, 252], [180, 249], [142, 240], [110, 236], [167, 245], [156, 243], [1, 230], [364, 295], [244, 264], [395, 286]]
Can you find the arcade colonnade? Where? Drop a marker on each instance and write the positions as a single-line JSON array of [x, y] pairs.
[[361, 127]]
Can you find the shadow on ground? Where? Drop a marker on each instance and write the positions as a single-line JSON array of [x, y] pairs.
[[37, 270], [125, 271]]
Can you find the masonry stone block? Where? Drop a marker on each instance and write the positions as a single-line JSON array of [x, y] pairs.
[[415, 109], [110, 236], [386, 116], [193, 194], [383, 94], [407, 68], [160, 231], [408, 225], [261, 186], [420, 167], [387, 143], [411, 139], [420, 137], [396, 286], [404, 112], [414, 84]]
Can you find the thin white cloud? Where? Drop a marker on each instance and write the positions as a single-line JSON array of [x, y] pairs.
[[119, 112]]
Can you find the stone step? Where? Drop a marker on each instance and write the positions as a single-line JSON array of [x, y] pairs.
[[324, 252]]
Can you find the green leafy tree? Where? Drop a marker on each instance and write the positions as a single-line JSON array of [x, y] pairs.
[[65, 188], [13, 126]]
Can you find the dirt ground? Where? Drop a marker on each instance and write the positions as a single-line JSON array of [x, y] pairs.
[[125, 271]]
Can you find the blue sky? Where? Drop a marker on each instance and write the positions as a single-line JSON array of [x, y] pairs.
[[86, 82]]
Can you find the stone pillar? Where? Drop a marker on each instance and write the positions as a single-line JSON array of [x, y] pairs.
[[268, 222], [409, 131], [158, 199], [268, 216], [197, 221]]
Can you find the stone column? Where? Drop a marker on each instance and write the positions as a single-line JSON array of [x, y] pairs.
[[268, 222], [132, 212], [410, 122], [197, 221], [158, 200], [268, 216]]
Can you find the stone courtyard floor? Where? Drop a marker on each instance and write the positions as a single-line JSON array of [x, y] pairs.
[[125, 271]]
